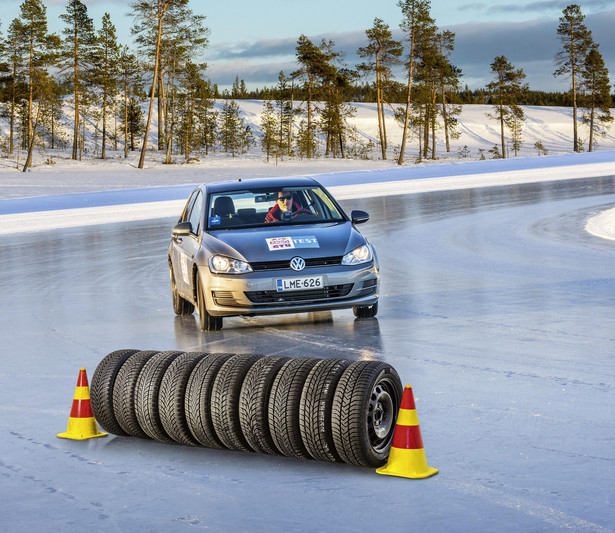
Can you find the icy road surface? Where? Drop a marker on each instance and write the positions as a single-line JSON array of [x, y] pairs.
[[497, 307]]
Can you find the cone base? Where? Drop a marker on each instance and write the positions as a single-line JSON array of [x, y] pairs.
[[411, 475], [81, 429], [407, 463]]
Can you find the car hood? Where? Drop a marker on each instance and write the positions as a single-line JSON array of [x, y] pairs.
[[285, 242]]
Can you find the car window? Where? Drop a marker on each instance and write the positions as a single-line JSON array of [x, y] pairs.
[[185, 216], [195, 213], [257, 207]]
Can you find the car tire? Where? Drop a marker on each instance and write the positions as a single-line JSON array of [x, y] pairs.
[[284, 403], [364, 412], [315, 409], [368, 311], [206, 321], [124, 393], [171, 398], [146, 395], [225, 401], [198, 399], [181, 306], [254, 403], [101, 390]]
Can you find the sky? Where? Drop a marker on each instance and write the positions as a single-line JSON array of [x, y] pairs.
[[255, 41]]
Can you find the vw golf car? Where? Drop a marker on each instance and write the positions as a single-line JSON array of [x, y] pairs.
[[268, 246]]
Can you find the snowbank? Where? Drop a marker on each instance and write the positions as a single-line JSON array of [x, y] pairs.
[[602, 225]]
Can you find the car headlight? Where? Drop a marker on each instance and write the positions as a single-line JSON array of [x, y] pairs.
[[220, 264], [362, 254]]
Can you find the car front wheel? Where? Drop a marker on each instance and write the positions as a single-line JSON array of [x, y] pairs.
[[207, 321], [368, 311]]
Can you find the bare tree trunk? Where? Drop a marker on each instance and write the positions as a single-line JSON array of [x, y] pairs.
[[575, 135], [76, 126], [28, 162], [154, 81], [125, 117], [404, 135], [379, 105], [161, 112], [445, 118], [502, 128]]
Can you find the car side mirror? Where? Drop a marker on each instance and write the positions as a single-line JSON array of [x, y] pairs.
[[183, 228], [359, 217]]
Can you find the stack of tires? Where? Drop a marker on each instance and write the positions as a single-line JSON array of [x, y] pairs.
[[332, 410]]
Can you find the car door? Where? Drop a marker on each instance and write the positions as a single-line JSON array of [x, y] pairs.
[[185, 247]]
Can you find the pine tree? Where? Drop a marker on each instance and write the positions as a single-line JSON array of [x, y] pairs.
[[106, 69], [39, 49], [383, 52], [312, 64], [130, 79], [284, 103], [15, 55], [165, 29], [149, 17], [336, 81], [231, 126], [270, 136], [598, 101], [576, 41], [418, 27], [449, 81], [506, 88], [77, 48]]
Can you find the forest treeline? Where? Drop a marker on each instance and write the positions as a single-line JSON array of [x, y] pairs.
[[116, 93]]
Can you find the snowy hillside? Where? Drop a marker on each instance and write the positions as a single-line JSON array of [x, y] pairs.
[[551, 126]]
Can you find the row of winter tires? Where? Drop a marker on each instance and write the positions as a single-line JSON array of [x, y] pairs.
[[334, 410]]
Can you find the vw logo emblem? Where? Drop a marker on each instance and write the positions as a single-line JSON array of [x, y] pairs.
[[297, 263]]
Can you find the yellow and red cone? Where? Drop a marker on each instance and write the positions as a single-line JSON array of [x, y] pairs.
[[81, 422], [407, 455]]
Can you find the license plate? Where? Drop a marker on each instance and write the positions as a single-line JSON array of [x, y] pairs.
[[299, 284]]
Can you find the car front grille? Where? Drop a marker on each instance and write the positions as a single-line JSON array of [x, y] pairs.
[[292, 297], [285, 264]]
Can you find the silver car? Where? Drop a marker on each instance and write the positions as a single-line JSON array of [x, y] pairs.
[[268, 246]]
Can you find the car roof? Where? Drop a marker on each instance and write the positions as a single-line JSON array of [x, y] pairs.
[[257, 183]]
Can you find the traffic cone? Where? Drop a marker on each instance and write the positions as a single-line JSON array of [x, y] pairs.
[[81, 422], [407, 456]]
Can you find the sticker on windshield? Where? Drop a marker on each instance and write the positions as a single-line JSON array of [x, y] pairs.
[[289, 243], [213, 221]]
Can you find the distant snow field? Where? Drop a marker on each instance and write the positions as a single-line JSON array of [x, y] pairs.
[[347, 179]]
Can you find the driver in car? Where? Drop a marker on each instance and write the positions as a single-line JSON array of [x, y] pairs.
[[285, 208]]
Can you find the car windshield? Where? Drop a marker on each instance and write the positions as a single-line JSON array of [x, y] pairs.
[[260, 207]]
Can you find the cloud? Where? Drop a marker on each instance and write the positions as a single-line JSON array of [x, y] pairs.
[[529, 45], [547, 5], [536, 8]]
